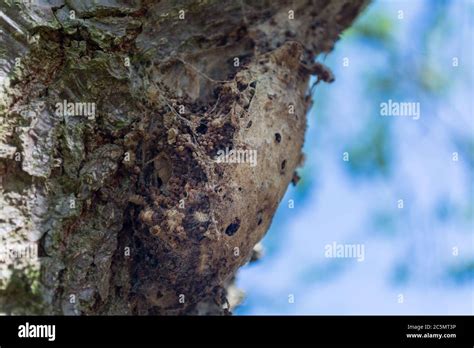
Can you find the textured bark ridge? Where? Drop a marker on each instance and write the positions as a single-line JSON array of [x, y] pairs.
[[123, 196]]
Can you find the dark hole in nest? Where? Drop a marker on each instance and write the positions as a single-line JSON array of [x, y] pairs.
[[249, 124], [202, 128], [233, 227], [277, 137], [259, 218], [159, 182], [217, 91], [241, 86], [283, 165], [253, 84]]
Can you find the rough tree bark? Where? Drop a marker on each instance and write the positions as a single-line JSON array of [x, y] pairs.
[[129, 210]]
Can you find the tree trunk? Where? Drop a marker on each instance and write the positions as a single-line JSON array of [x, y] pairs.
[[145, 145]]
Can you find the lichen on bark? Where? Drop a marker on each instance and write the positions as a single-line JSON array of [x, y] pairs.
[[130, 210]]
